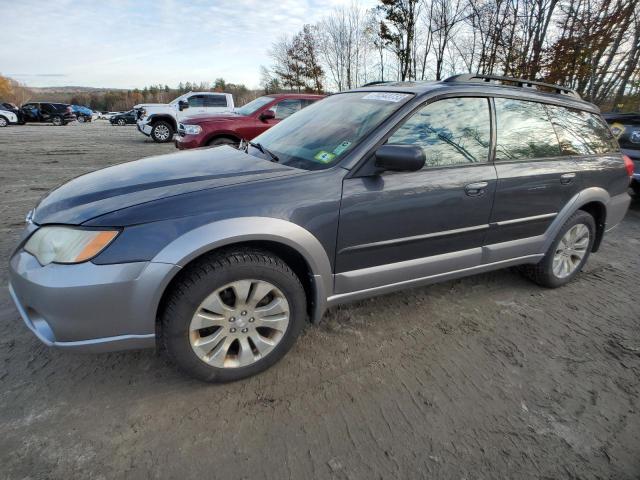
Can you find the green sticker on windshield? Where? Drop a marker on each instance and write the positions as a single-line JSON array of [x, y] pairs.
[[342, 147], [324, 157]]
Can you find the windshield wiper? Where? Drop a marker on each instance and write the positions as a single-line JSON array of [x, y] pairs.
[[265, 151]]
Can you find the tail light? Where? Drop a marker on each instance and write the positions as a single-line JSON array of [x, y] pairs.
[[628, 164]]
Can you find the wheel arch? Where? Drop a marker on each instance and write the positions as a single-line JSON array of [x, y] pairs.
[[167, 118], [304, 254], [592, 200]]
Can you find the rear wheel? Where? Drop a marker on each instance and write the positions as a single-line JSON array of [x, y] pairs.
[[567, 254], [218, 142], [57, 121], [3, 122], [81, 119], [122, 122], [162, 132], [233, 314]]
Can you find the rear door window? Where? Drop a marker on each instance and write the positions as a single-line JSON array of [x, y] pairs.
[[524, 131], [453, 131], [287, 107], [581, 133], [215, 101]]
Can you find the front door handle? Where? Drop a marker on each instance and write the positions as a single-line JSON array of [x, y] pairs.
[[476, 189], [567, 178]]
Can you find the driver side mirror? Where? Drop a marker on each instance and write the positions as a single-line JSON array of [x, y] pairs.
[[399, 158], [182, 104], [267, 115]]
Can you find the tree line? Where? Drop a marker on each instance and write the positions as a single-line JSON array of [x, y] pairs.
[[592, 46]]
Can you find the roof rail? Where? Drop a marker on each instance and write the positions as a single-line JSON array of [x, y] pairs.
[[378, 82], [520, 82]]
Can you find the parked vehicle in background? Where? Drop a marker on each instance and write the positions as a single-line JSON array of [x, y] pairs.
[[10, 115], [48, 112], [223, 254], [83, 114], [125, 118], [626, 128], [243, 123], [160, 120]]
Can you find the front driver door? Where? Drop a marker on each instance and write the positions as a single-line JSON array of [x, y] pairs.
[[402, 226]]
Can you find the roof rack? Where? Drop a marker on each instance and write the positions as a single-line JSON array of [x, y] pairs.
[[520, 82]]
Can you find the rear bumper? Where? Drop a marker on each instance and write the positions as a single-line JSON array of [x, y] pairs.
[[616, 210], [88, 307]]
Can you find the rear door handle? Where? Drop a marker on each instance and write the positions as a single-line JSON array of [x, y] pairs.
[[567, 178], [476, 189]]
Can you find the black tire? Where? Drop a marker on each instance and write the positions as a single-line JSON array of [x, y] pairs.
[[3, 122], [212, 272], [121, 122], [635, 188], [218, 142], [57, 121], [158, 132], [542, 273], [81, 119]]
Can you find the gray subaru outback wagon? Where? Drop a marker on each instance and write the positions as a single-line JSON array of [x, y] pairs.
[[221, 255]]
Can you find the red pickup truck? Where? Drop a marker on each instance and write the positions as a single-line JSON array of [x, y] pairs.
[[244, 123]]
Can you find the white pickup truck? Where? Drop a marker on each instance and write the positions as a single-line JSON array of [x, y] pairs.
[[160, 120]]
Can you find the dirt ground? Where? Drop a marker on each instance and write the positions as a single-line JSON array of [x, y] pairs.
[[485, 377]]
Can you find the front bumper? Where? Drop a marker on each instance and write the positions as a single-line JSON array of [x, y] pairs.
[[88, 307], [187, 141], [144, 128]]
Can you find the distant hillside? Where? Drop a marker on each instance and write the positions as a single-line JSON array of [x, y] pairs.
[[73, 89]]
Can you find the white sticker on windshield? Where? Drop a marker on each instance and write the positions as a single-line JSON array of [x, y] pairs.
[[385, 96]]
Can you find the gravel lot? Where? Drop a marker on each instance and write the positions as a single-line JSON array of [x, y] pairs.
[[486, 377]]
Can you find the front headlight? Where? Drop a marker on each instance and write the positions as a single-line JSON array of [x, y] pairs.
[[67, 244], [192, 129]]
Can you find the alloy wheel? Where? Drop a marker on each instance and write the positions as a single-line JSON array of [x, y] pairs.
[[239, 323], [570, 251], [3, 122], [162, 132]]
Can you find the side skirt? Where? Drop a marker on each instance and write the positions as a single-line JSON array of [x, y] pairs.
[[416, 282]]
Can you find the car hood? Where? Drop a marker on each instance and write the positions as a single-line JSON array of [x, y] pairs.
[[149, 179], [151, 105]]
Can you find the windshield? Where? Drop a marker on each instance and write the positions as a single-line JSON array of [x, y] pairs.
[[318, 136], [254, 105]]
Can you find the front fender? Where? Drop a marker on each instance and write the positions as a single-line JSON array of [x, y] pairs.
[[236, 230]]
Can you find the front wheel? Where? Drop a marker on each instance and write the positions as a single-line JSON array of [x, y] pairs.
[[567, 254], [3, 122], [121, 122], [81, 119], [162, 132], [219, 142], [232, 315]]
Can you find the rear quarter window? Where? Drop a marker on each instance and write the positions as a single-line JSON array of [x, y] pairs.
[[581, 133], [524, 131]]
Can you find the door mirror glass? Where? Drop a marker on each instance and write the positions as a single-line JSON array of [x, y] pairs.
[[182, 104], [399, 158], [267, 115]]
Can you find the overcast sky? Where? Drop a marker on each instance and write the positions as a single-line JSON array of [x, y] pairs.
[[128, 44]]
